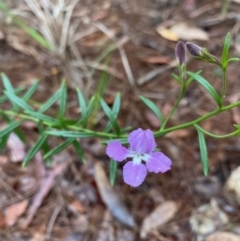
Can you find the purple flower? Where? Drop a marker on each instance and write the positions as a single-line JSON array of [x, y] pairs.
[[141, 149]]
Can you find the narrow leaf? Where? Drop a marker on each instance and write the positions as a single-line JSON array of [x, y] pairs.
[[42, 117], [152, 107], [79, 151], [17, 101], [73, 134], [3, 142], [16, 91], [33, 151], [83, 107], [59, 148], [207, 86], [113, 171], [30, 91], [63, 100], [10, 128], [226, 49], [203, 150], [177, 78], [110, 116], [50, 102]]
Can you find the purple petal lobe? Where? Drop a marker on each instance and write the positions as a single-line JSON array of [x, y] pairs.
[[142, 141], [158, 162], [116, 151], [134, 175]]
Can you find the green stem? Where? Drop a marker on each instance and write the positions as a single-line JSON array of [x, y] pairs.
[[224, 84], [173, 108], [196, 121], [235, 133]]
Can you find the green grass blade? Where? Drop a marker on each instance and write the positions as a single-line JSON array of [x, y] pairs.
[[203, 150], [30, 91], [59, 148], [226, 47], [50, 102], [113, 171], [10, 128], [17, 101], [79, 151], [83, 106], [207, 86], [3, 141], [73, 134], [153, 107], [63, 100], [33, 151], [110, 116], [51, 121], [16, 91]]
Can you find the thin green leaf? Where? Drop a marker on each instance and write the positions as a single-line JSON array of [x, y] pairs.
[[79, 151], [110, 116], [226, 46], [116, 105], [59, 148], [30, 91], [10, 128], [91, 105], [190, 79], [113, 171], [33, 151], [207, 86], [73, 134], [16, 91], [42, 117], [232, 60], [203, 150], [6, 83], [115, 111], [45, 146], [83, 107], [152, 107], [20, 135], [3, 141], [17, 101], [63, 100], [178, 79], [50, 101]]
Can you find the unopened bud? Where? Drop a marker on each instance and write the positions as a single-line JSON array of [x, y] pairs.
[[180, 52], [201, 53], [194, 49]]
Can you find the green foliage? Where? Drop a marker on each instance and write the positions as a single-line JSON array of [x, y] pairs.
[[203, 150], [72, 131]]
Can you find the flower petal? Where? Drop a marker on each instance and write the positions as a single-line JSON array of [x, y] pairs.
[[116, 151], [142, 141], [158, 162], [134, 175]]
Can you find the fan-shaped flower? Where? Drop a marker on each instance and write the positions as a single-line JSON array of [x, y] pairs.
[[141, 150]]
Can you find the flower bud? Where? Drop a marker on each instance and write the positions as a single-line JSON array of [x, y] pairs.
[[180, 52], [194, 49]]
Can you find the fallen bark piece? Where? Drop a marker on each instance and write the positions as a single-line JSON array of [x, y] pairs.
[[111, 199], [223, 236], [161, 215]]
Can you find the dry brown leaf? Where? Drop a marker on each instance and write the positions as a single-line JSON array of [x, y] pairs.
[[161, 215], [223, 236], [182, 31], [13, 212], [110, 197], [16, 147], [77, 206]]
